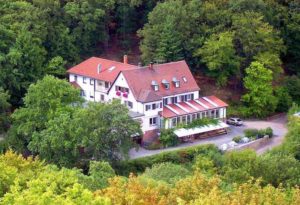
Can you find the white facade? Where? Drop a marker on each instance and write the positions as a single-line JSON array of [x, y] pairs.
[[148, 114]]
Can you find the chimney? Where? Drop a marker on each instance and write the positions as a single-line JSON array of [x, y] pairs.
[[125, 59], [99, 68], [151, 65]]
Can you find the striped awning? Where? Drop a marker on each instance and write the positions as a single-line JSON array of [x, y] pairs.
[[192, 106]]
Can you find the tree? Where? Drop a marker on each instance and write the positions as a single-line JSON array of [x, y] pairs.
[[219, 54], [99, 174], [292, 84], [166, 172], [42, 102], [106, 130], [259, 99], [4, 111]]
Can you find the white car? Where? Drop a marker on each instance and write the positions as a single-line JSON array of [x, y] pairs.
[[234, 121]]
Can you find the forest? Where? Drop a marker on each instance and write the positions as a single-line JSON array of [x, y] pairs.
[[247, 47]]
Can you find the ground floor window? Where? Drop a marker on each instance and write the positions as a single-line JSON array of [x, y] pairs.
[[153, 121]]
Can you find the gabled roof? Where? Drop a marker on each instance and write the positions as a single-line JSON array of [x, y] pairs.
[[140, 80], [109, 69]]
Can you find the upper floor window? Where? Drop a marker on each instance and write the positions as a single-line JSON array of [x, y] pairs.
[[106, 84], [82, 93], [166, 83], [84, 79], [174, 100], [148, 107], [91, 81], [122, 89], [165, 101], [75, 78]]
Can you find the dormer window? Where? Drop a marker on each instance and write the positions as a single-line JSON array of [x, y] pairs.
[[176, 82], [166, 83], [154, 85]]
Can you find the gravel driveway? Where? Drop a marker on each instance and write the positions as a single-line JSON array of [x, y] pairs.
[[278, 125]]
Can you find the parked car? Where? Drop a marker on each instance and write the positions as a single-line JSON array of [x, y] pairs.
[[234, 121]]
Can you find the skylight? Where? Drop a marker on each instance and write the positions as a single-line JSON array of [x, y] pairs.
[[112, 68], [166, 83], [154, 84], [184, 79]]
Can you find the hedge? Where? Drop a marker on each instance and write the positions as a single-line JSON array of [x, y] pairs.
[[181, 156]]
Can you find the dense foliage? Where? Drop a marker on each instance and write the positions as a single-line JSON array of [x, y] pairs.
[[54, 125]]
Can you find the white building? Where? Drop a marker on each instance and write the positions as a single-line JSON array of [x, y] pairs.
[[158, 95]]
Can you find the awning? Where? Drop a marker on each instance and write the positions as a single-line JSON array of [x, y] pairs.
[[192, 106], [183, 132]]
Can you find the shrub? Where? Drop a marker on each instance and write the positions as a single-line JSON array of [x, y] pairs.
[[237, 139], [250, 133], [182, 156], [154, 146], [269, 132], [168, 138], [166, 172]]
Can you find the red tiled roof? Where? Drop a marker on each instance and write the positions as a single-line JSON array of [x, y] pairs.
[[139, 80], [191, 106], [88, 68]]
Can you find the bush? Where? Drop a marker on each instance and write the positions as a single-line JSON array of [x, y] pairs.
[[254, 133], [168, 138], [182, 156], [154, 146], [251, 133], [166, 172], [269, 132], [237, 139]]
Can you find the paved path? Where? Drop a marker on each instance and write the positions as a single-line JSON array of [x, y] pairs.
[[278, 125]]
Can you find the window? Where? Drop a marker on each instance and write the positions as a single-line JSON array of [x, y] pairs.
[[183, 119], [129, 104], [167, 85], [174, 122], [82, 93], [99, 83], [184, 79], [153, 121], [178, 120], [102, 97], [217, 114], [174, 100], [192, 96], [75, 78], [148, 107], [122, 89], [91, 81], [91, 95], [182, 98], [155, 87], [188, 119], [153, 106], [160, 105], [84, 79], [188, 97], [106, 84], [176, 84], [165, 101]]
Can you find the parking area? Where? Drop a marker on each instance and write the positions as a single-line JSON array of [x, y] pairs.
[[278, 125]]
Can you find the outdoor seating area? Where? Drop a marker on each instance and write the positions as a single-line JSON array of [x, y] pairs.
[[190, 134]]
